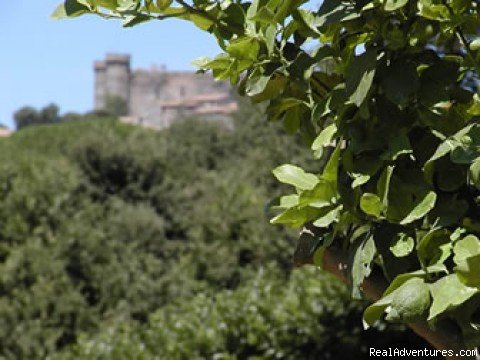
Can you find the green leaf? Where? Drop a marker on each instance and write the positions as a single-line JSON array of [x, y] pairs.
[[274, 86], [201, 21], [135, 20], [332, 11], [128, 6], [292, 120], [330, 172], [329, 218], [285, 8], [109, 4], [221, 65], [375, 311], [359, 179], [383, 185], [68, 9], [465, 248], [443, 149], [256, 83], [296, 216], [371, 204], [264, 15], [325, 137], [474, 108], [278, 107], [163, 4], [322, 195], [468, 271], [447, 293], [435, 247], [429, 10], [410, 301], [474, 172], [392, 5], [451, 144], [244, 48], [288, 201], [421, 209], [475, 44], [359, 76], [422, 273], [467, 258], [402, 245], [293, 175], [361, 267], [306, 19]]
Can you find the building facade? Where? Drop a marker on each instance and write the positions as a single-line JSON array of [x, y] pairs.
[[157, 97]]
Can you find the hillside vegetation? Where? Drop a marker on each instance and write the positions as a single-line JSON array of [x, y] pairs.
[[118, 242]]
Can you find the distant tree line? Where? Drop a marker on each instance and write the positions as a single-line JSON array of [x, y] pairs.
[[50, 114], [28, 115]]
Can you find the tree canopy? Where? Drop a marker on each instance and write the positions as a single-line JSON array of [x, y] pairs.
[[383, 92], [114, 234], [28, 116]]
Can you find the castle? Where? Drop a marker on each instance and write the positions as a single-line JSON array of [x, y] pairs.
[[157, 97]]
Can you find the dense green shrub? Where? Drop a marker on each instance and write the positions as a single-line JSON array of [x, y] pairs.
[[308, 316], [126, 166], [86, 250], [119, 221]]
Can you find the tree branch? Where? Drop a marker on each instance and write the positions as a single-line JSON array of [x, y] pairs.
[[335, 262]]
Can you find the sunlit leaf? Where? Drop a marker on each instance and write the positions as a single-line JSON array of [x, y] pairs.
[[360, 75], [293, 175], [421, 209], [448, 292]]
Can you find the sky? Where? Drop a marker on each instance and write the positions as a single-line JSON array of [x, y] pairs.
[[47, 61]]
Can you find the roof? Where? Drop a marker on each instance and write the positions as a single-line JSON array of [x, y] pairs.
[[218, 109], [195, 100]]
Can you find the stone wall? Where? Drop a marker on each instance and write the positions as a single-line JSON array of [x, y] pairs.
[[157, 97]]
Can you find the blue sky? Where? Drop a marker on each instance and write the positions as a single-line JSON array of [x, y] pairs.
[[45, 61]]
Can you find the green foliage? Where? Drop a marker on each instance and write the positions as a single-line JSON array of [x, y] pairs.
[[121, 220], [116, 105], [28, 116], [83, 256], [403, 135], [307, 317], [116, 165]]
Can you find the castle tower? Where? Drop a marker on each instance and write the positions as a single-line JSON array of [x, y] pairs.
[[112, 78], [100, 68]]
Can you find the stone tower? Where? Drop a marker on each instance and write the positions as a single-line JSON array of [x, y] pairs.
[[112, 78]]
